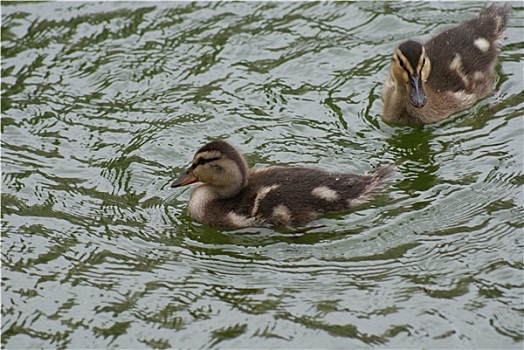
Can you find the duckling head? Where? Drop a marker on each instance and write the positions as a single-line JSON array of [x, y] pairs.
[[219, 166], [411, 66]]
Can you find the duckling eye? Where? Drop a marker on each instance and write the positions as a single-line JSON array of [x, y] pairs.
[[201, 161], [401, 63]]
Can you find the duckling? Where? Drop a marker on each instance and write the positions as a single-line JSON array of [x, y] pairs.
[[450, 72], [233, 195]]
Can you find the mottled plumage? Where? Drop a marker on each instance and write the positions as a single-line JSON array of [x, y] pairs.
[[454, 69], [233, 195]]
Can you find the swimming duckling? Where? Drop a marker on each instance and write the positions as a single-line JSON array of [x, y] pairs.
[[429, 82], [233, 195]]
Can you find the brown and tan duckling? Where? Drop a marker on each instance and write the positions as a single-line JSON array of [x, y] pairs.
[[453, 70], [233, 195]]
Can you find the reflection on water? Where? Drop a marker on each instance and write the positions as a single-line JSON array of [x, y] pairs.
[[103, 103]]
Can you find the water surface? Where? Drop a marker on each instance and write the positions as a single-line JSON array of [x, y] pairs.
[[104, 103]]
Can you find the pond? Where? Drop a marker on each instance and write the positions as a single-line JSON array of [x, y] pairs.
[[105, 103]]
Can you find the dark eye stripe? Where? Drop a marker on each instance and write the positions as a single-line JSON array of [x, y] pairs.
[[402, 65], [202, 161]]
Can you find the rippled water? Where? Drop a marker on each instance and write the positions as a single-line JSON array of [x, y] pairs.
[[103, 104]]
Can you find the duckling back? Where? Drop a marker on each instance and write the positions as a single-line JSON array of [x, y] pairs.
[[464, 58]]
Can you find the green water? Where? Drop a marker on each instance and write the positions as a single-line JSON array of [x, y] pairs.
[[105, 103]]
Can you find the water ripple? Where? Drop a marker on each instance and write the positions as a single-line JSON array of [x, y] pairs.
[[103, 104]]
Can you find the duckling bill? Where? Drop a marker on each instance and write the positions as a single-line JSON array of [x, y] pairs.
[[232, 195], [453, 70]]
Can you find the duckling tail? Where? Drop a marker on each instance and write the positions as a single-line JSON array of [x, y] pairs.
[[375, 181], [379, 177], [382, 173], [499, 13]]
